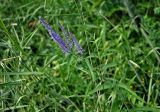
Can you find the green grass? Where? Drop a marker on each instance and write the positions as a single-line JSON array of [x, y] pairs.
[[118, 72]]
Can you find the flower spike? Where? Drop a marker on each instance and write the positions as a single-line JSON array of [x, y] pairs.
[[65, 46], [55, 36]]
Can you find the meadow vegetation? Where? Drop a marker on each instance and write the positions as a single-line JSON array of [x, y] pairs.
[[119, 70]]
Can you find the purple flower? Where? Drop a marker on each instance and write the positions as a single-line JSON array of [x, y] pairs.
[[66, 47], [65, 33], [78, 47], [55, 36], [73, 41]]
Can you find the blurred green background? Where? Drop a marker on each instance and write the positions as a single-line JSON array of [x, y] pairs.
[[118, 72]]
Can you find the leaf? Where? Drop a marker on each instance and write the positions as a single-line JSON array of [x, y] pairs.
[[121, 85], [107, 85], [21, 73]]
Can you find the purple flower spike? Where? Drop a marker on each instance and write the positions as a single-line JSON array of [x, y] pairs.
[[55, 36], [65, 33], [45, 24], [66, 47], [73, 41], [78, 47]]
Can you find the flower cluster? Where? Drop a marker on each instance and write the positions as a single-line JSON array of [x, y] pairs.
[[67, 45]]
